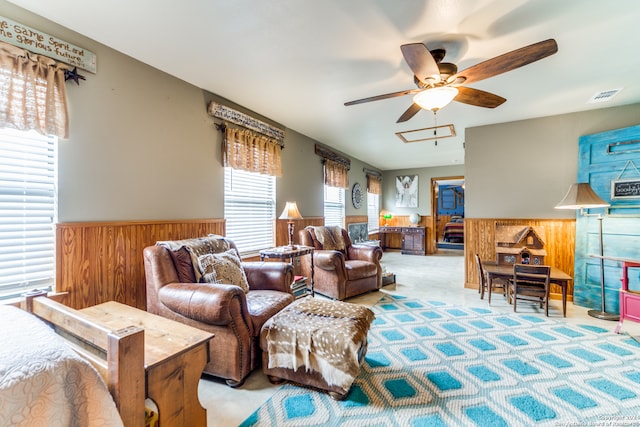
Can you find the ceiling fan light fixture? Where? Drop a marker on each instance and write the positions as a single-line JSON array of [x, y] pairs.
[[435, 98]]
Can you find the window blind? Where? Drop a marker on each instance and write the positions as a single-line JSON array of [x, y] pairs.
[[249, 209], [373, 213], [333, 206], [27, 211]]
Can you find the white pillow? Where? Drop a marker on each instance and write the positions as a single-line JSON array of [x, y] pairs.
[[223, 267]]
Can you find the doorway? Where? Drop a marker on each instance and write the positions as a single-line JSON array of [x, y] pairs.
[[447, 213]]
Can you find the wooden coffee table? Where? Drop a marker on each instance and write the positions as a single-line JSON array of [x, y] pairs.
[[174, 357]]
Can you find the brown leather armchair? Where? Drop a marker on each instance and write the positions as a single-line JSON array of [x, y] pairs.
[[341, 274], [233, 316]]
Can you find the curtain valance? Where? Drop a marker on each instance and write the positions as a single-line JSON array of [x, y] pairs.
[[32, 92], [336, 168], [374, 183], [251, 151], [335, 174]]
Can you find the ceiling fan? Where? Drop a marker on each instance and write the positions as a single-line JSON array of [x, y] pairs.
[[440, 82]]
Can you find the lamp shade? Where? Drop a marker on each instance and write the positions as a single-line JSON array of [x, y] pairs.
[[435, 98], [291, 211], [386, 214], [581, 196]]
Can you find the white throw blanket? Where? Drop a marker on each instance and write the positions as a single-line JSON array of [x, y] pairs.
[[43, 382]]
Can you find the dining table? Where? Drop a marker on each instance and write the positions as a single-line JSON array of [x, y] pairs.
[[504, 272]]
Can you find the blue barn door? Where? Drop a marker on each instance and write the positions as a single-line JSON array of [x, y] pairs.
[[610, 162]]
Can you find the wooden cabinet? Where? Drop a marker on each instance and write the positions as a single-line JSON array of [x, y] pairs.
[[413, 239]]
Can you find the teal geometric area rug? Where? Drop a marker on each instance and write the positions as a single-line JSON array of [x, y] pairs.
[[433, 364]]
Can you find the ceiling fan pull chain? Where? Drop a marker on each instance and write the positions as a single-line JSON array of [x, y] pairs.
[[435, 129]]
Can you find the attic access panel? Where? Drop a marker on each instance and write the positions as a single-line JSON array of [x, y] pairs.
[[427, 134]]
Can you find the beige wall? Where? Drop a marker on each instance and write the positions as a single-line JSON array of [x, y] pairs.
[[302, 180], [142, 146], [424, 183], [523, 169]]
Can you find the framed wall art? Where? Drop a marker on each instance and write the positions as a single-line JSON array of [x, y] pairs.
[[407, 191]]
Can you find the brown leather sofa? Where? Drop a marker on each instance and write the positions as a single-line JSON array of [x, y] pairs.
[[342, 274], [233, 316]]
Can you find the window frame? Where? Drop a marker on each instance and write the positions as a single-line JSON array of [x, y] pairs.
[[250, 220], [29, 206], [373, 212], [334, 202]]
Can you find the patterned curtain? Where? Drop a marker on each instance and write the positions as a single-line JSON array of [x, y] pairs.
[[250, 151], [335, 174], [374, 184], [32, 92]]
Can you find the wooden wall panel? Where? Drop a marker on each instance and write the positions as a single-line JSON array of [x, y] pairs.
[[479, 235], [353, 219], [102, 261], [441, 221], [282, 229], [282, 233]]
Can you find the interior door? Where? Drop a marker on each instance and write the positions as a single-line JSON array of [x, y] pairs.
[[433, 233], [609, 162]]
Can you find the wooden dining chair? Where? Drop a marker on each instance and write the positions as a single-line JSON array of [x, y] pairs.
[[483, 283], [530, 283]]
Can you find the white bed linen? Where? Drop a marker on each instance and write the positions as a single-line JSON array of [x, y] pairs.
[[43, 382]]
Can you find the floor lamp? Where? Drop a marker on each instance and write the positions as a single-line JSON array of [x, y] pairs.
[[580, 197]]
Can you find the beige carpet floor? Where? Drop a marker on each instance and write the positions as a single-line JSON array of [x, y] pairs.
[[434, 277]]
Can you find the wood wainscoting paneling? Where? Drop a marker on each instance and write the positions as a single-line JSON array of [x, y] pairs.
[[282, 229], [282, 233], [102, 261], [479, 236], [354, 219]]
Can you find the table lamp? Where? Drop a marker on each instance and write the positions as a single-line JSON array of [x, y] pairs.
[[387, 216], [290, 213], [580, 197]]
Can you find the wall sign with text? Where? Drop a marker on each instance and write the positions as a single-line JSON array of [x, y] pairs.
[[625, 189], [42, 43]]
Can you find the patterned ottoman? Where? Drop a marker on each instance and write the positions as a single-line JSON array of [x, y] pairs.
[[316, 343]]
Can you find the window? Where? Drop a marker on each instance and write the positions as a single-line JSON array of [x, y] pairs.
[[373, 212], [28, 211], [333, 206], [249, 209]]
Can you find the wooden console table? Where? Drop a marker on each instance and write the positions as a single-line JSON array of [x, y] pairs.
[[413, 239], [174, 357]]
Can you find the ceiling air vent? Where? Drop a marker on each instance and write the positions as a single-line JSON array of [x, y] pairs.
[[604, 96]]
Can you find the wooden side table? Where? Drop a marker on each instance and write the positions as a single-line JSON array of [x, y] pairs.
[[174, 358], [288, 253]]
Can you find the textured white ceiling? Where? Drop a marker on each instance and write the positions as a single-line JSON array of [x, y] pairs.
[[298, 61]]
